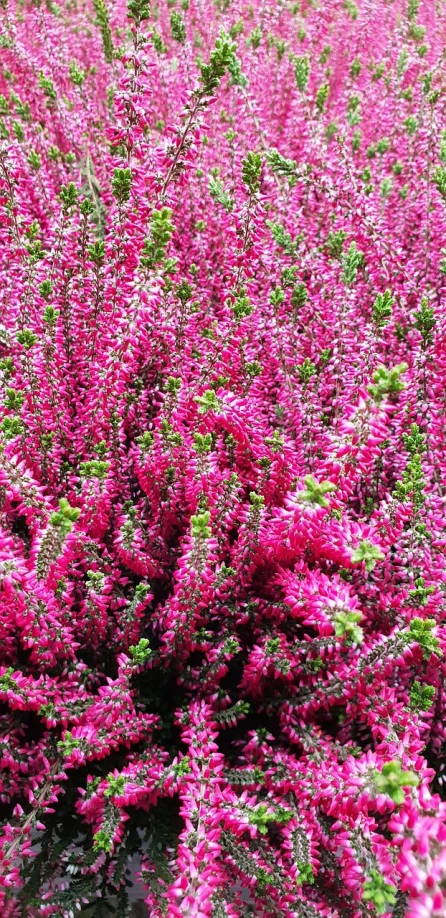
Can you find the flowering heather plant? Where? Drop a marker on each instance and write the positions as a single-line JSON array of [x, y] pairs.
[[222, 458]]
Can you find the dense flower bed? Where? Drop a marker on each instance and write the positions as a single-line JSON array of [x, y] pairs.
[[222, 457]]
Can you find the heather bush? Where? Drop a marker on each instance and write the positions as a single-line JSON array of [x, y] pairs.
[[222, 458]]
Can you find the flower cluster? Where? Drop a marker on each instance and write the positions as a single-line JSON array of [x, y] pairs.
[[222, 458]]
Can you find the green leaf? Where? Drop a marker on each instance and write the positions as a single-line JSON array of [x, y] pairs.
[[334, 244], [202, 443], [420, 632], [251, 171], [115, 786], [177, 27], [425, 321], [68, 195], [282, 166], [387, 382], [302, 72], [121, 185], [351, 262], [140, 652], [346, 625], [138, 10], [368, 553], [421, 697], [414, 441], [382, 309], [103, 22], [392, 779], [380, 893], [200, 525], [207, 402], [305, 371], [217, 191], [315, 491], [221, 59], [64, 518], [322, 96]]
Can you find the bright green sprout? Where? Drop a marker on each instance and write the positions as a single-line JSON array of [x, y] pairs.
[[200, 525], [68, 196], [207, 402], [351, 262], [368, 553], [322, 96], [346, 626], [315, 491], [421, 697], [121, 185], [382, 309], [140, 652], [420, 632], [103, 22], [221, 58], [68, 744], [115, 786], [387, 382], [392, 779], [414, 441], [302, 72], [425, 321], [178, 28], [420, 595], [202, 443], [305, 371], [380, 893], [64, 518], [251, 171]]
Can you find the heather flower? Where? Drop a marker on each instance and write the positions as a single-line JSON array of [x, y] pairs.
[[222, 375]]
